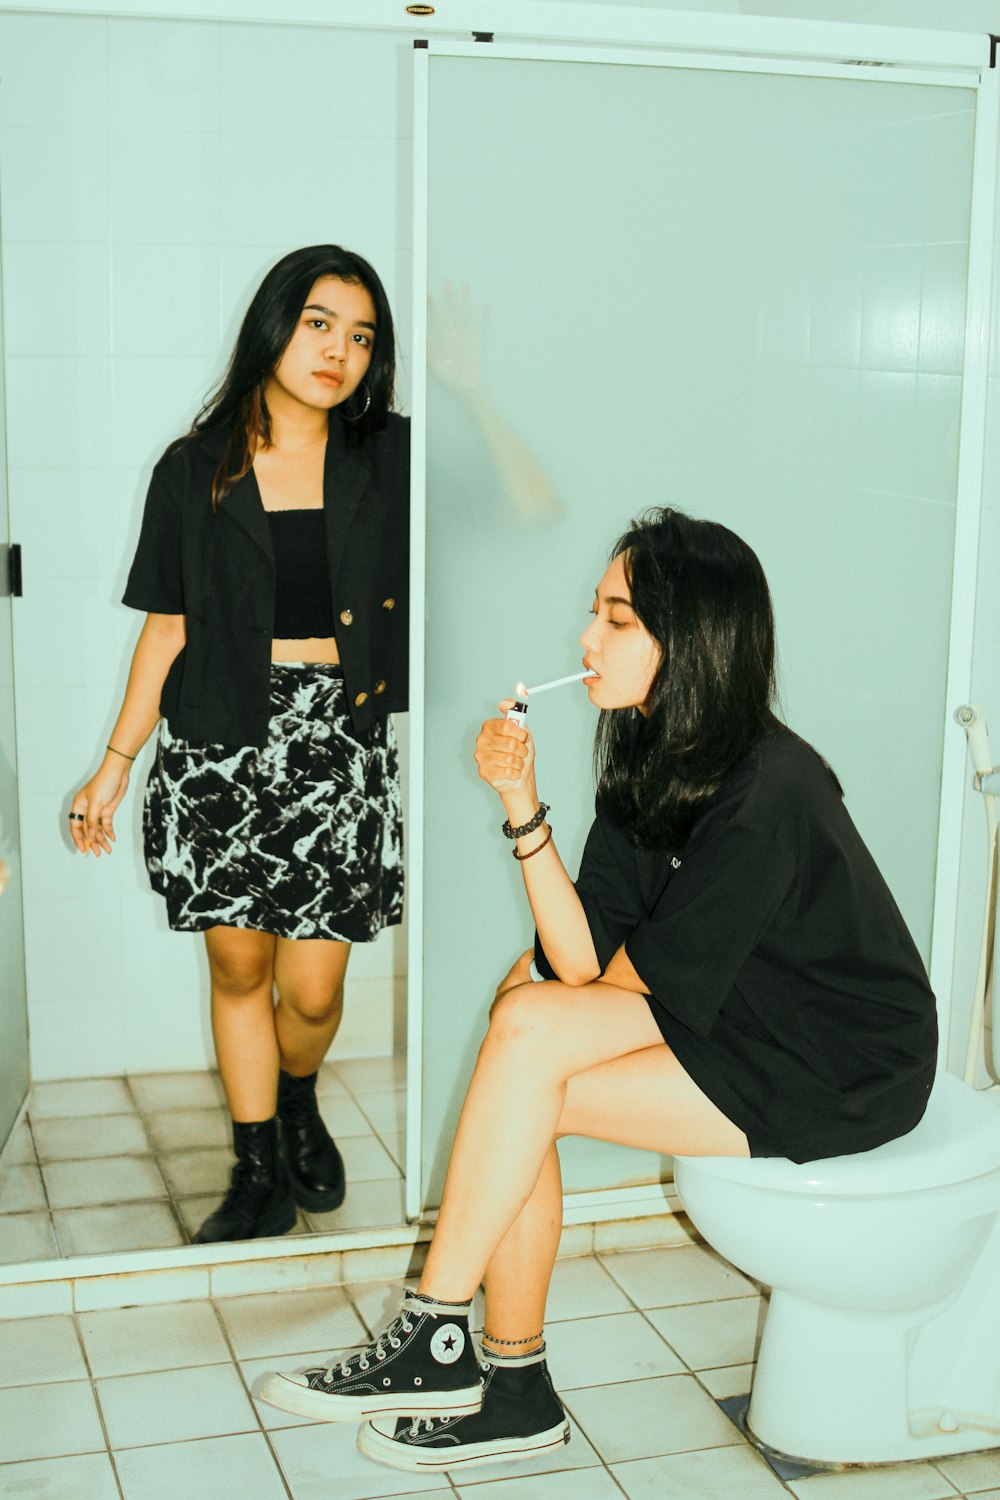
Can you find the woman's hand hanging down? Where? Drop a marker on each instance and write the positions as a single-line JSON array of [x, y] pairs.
[[505, 756], [98, 801], [91, 819]]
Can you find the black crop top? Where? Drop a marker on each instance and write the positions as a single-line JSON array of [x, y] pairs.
[[302, 603]]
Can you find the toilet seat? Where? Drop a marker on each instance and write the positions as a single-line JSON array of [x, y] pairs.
[[957, 1140]]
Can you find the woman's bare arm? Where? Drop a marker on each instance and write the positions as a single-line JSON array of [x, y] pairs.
[[505, 756], [160, 639]]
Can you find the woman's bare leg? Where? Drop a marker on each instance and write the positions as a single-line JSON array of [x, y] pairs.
[[241, 963], [631, 1100], [309, 977], [520, 1268], [540, 1037]]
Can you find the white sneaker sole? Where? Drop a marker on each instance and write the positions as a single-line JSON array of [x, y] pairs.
[[386, 1450], [288, 1395]]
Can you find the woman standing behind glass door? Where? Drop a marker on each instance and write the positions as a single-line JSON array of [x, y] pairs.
[[273, 569]]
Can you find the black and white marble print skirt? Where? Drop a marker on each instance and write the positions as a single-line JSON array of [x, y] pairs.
[[302, 838]]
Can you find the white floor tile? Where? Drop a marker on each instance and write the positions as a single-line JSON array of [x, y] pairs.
[[581, 1288], [731, 1380], [667, 1278], [162, 1091], [288, 1322], [210, 1467], [79, 1096], [710, 1474], [47, 1421], [37, 1350], [22, 1189], [972, 1471], [133, 1340], [602, 1351], [342, 1115], [86, 1476], [366, 1159], [368, 1205], [126, 1226], [182, 1129], [20, 1147], [378, 1301], [110, 1179], [26, 1237], [710, 1334], [644, 1418], [371, 1074], [89, 1136], [173, 1406], [565, 1485], [386, 1110], [892, 1482], [322, 1463], [188, 1173]]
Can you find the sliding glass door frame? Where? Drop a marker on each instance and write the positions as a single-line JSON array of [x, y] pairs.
[[978, 76]]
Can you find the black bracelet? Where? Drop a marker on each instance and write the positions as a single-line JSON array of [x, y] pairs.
[[518, 833]]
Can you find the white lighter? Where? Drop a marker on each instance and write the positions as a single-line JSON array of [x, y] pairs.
[[518, 711]]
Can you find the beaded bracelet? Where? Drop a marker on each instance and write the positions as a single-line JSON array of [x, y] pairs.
[[529, 827], [537, 850]]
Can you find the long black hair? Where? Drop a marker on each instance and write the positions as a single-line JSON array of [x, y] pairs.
[[700, 592], [238, 400]]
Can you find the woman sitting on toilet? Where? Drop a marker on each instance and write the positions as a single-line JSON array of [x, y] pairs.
[[729, 975]]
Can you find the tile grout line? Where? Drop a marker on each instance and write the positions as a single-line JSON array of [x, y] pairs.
[[92, 1378], [234, 1360]]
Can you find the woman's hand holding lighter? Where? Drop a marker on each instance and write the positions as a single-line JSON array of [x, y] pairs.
[[505, 756]]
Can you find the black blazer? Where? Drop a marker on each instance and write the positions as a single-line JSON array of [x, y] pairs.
[[217, 569]]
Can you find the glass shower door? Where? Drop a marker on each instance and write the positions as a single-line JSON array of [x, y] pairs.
[[738, 292], [13, 996]]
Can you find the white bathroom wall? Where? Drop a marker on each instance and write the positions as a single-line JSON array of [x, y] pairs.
[[150, 171]]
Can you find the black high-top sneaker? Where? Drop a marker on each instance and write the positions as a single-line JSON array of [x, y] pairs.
[[424, 1363], [314, 1163], [259, 1201], [521, 1416]]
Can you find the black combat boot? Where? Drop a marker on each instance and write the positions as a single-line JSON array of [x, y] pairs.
[[315, 1166], [260, 1200]]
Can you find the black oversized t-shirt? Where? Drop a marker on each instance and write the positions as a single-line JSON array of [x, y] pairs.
[[778, 966]]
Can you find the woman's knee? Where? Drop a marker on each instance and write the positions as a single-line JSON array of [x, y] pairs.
[[526, 1012], [240, 969], [316, 1005]]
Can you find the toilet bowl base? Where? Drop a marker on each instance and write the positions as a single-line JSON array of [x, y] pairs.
[[831, 1388]]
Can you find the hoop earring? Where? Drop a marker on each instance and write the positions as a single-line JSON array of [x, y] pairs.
[[356, 417]]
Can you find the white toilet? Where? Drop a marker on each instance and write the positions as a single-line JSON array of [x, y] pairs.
[[882, 1339]]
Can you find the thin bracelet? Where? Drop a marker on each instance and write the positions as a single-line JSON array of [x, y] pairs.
[[541, 846], [529, 827], [511, 1342], [121, 753]]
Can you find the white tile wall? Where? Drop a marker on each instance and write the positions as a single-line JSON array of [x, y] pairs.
[[150, 173]]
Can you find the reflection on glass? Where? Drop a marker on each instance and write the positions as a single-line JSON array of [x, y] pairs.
[[726, 292]]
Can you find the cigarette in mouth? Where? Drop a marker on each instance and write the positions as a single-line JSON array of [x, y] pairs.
[[543, 687]]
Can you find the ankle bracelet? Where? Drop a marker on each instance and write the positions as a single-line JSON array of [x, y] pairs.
[[511, 1343], [427, 1301]]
